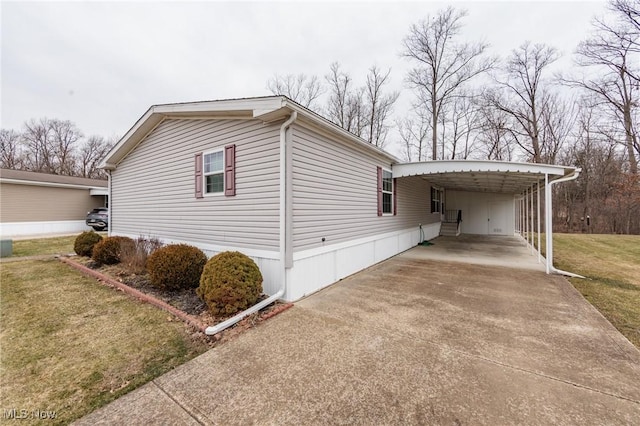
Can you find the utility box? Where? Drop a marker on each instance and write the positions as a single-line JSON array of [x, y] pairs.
[[6, 248]]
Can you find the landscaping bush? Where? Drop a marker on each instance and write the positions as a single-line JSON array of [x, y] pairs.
[[83, 244], [135, 256], [176, 266], [230, 282], [109, 250]]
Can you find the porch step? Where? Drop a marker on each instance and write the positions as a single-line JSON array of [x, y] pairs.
[[449, 229]]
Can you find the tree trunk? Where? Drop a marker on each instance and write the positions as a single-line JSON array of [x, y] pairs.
[[633, 162]]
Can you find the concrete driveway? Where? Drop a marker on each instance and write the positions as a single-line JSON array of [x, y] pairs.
[[409, 341]]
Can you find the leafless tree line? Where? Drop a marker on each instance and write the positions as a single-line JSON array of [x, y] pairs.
[[53, 146], [468, 104], [366, 111]]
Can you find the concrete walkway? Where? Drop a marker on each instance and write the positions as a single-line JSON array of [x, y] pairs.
[[409, 341]]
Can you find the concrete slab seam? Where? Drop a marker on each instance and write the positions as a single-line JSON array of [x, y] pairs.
[[182, 407]]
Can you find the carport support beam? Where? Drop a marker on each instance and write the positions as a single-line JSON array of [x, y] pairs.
[[532, 222], [547, 222], [539, 237]]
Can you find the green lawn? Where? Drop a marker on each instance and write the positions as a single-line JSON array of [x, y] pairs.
[[612, 265], [42, 246], [70, 345]]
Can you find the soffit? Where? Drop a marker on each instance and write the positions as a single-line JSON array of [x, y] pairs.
[[482, 176]]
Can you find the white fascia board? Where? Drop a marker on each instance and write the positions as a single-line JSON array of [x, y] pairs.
[[99, 191], [479, 166], [50, 184], [267, 109], [157, 113], [140, 129]]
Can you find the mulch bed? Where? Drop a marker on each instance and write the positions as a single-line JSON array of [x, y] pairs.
[[185, 301]]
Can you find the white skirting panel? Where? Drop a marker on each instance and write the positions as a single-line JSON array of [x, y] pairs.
[[23, 229], [317, 268]]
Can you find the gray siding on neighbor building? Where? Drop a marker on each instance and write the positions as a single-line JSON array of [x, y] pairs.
[[153, 189], [335, 193], [33, 203]]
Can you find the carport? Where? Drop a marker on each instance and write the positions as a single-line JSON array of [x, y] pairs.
[[494, 197]]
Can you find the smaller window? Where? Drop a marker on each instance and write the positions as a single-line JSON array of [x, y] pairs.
[[387, 192], [213, 172], [436, 200]]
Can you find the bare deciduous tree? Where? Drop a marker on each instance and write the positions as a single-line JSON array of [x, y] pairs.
[[379, 106], [613, 67], [345, 105], [558, 120], [414, 131], [522, 94], [443, 64], [53, 146], [462, 117], [300, 88], [11, 155], [94, 149], [495, 137]]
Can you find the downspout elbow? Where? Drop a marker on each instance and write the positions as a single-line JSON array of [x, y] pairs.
[[568, 178]]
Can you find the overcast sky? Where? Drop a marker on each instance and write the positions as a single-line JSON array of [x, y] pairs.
[[101, 65]]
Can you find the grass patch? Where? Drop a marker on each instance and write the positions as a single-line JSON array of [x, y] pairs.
[[43, 246], [612, 264], [71, 345]]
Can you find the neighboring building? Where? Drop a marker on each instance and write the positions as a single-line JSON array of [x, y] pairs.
[[40, 203], [310, 202]]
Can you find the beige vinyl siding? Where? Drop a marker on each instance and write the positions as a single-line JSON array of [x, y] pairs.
[[30, 203], [153, 189], [335, 193]]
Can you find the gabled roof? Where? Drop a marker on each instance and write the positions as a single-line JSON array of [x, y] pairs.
[[46, 179], [483, 175], [268, 109]]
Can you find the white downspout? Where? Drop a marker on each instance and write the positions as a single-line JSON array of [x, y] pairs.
[[210, 331], [109, 200], [549, 222]]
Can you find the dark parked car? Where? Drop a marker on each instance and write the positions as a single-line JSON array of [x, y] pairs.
[[98, 218]]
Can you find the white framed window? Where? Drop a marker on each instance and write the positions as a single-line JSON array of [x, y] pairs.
[[436, 200], [387, 192], [213, 172]]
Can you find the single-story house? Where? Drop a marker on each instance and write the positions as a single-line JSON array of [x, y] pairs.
[[310, 202], [40, 203]]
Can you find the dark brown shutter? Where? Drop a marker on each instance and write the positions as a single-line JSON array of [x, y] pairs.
[[395, 196], [379, 191], [198, 175], [230, 170]]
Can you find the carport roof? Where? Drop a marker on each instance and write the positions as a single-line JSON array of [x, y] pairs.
[[482, 176]]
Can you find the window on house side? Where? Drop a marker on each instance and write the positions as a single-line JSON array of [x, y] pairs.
[[387, 192], [213, 172], [436, 200]]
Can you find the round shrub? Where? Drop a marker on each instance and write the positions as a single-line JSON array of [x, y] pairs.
[[83, 245], [176, 266], [109, 250], [230, 282]]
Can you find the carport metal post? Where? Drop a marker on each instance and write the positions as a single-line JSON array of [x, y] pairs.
[[547, 222], [526, 213], [532, 227], [539, 237]]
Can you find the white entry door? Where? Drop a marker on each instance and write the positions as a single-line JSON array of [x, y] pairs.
[[497, 220]]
